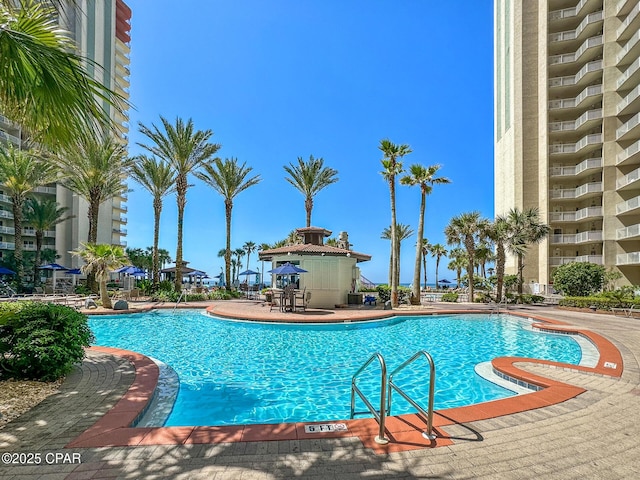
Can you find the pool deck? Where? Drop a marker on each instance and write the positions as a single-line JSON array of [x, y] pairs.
[[591, 433]]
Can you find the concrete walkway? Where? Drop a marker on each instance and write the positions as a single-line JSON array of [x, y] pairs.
[[594, 435]]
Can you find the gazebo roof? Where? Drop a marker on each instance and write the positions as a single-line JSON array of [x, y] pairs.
[[311, 249]]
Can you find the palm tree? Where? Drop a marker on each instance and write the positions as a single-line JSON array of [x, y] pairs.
[[386, 235], [44, 86], [263, 246], [402, 233], [499, 235], [187, 150], [96, 170], [20, 173], [465, 229], [238, 253], [163, 257], [525, 229], [425, 247], [438, 251], [392, 166], [425, 178], [100, 259], [158, 178], [228, 179], [43, 215], [249, 247], [309, 178], [458, 261]]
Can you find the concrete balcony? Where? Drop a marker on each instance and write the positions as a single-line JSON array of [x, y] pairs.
[[5, 214], [588, 93], [595, 139], [588, 26], [630, 103], [628, 207], [630, 76], [632, 258], [588, 165], [629, 51], [628, 233], [119, 231], [577, 216], [572, 193], [572, 12], [577, 238], [630, 129], [556, 261], [47, 190], [586, 120], [567, 58], [630, 180], [121, 220], [7, 246], [629, 155], [624, 7], [630, 24], [586, 74]]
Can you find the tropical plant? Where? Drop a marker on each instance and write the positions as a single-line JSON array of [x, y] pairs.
[[158, 178], [426, 248], [423, 177], [96, 170], [100, 259], [249, 247], [402, 233], [438, 251], [186, 150], [465, 229], [579, 279], [229, 179], [309, 178], [391, 167], [44, 85], [499, 234], [20, 173], [238, 253], [525, 229], [42, 215]]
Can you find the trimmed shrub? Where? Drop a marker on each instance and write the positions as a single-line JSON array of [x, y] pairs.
[[601, 302], [450, 297], [41, 341], [384, 294], [579, 279]]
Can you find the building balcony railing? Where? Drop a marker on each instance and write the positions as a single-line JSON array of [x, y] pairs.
[[630, 101], [569, 80], [626, 52], [121, 220], [577, 216], [628, 179], [590, 91], [628, 127], [5, 214], [48, 190], [631, 17], [592, 18], [567, 12], [7, 246], [631, 231], [572, 125], [556, 261], [592, 139], [628, 154], [595, 187], [628, 206], [623, 7], [565, 58], [632, 258], [574, 238], [588, 164], [119, 231], [629, 74]]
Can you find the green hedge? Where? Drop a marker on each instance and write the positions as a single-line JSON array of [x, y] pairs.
[[384, 294], [40, 341], [450, 297], [600, 302]]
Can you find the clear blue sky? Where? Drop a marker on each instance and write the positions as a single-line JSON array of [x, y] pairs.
[[281, 79]]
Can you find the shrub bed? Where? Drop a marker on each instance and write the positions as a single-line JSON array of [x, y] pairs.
[[600, 302], [450, 297], [40, 341]]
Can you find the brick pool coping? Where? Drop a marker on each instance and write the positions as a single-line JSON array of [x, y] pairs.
[[404, 431]]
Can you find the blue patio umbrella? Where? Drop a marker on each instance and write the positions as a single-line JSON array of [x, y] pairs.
[[248, 272], [287, 269], [197, 273], [73, 271], [6, 271], [129, 270], [54, 267]]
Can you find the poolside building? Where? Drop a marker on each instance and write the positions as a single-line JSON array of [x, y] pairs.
[[332, 272], [567, 130]]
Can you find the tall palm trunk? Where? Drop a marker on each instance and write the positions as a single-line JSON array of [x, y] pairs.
[[308, 206], [437, 266], [17, 205], [104, 295], [470, 246], [37, 260], [181, 199], [155, 274], [500, 261], [92, 237], [416, 266], [424, 265], [394, 244], [520, 271], [228, 206]]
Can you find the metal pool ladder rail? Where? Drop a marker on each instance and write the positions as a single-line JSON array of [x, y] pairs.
[[432, 376], [379, 415]]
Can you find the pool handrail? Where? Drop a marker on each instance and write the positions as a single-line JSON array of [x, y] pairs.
[[379, 416], [432, 376]]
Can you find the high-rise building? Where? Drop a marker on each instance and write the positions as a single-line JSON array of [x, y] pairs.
[[101, 30], [567, 129]]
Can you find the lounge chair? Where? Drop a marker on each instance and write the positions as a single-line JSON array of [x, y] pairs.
[[627, 311], [275, 298], [301, 299], [370, 300]]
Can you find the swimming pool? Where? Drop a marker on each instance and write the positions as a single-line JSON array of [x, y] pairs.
[[234, 373]]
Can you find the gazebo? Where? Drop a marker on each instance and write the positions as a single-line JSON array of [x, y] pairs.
[[332, 272]]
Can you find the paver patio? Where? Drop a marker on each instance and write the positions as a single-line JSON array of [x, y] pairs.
[[593, 435]]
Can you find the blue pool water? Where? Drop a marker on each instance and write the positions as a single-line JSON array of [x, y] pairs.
[[234, 373]]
